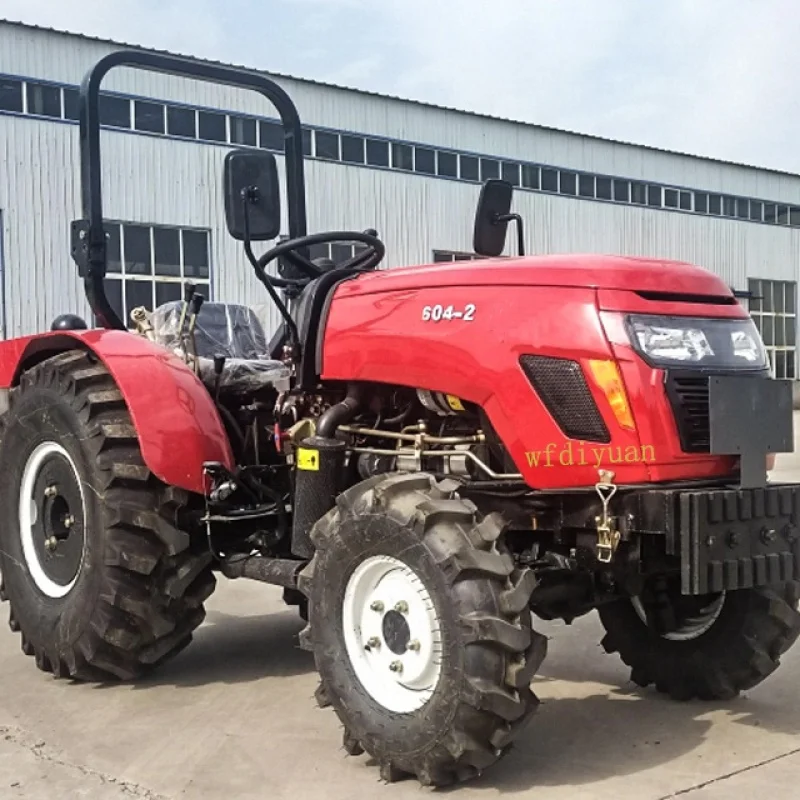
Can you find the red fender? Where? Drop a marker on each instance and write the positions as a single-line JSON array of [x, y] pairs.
[[178, 425]]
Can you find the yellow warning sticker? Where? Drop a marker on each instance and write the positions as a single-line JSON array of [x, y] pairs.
[[454, 403], [308, 459]]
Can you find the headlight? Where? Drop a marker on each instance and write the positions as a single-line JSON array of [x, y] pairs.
[[721, 343]]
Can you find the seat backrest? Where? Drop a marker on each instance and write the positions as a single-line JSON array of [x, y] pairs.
[[221, 329]]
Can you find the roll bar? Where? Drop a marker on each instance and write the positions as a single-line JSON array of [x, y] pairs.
[[88, 233]]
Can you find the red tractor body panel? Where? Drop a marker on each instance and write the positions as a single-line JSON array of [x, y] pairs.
[[562, 306], [175, 418]]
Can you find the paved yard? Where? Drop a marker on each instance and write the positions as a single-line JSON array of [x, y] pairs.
[[233, 717]]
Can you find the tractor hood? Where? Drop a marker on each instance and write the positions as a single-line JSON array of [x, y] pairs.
[[586, 271]]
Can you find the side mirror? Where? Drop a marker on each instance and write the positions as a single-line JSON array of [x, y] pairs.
[[252, 195], [492, 218]]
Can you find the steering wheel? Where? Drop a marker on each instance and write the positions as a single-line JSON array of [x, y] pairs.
[[366, 260]]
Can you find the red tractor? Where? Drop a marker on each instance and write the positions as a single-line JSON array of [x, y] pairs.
[[423, 458]]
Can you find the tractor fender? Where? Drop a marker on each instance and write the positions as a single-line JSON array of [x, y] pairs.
[[176, 421]]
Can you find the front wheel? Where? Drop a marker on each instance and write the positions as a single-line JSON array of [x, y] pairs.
[[420, 629], [710, 647]]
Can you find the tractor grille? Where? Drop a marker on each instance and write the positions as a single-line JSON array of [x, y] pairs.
[[688, 395], [562, 388]]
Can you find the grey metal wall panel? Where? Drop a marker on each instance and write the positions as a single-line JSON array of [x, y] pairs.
[[60, 57], [159, 181]]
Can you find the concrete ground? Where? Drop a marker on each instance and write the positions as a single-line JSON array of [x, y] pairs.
[[233, 717]]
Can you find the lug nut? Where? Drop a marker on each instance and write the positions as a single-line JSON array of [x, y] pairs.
[[376, 605], [51, 491], [373, 642], [413, 645], [401, 607], [396, 666], [69, 521], [51, 543]]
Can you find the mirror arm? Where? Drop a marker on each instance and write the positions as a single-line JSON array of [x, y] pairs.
[[520, 233], [250, 195]]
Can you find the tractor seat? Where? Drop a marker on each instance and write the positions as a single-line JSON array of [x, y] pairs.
[[223, 329]]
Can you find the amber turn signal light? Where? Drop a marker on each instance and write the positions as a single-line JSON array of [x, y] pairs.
[[607, 377]]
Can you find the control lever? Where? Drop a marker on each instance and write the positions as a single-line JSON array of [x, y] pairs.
[[219, 365], [196, 305], [188, 292]]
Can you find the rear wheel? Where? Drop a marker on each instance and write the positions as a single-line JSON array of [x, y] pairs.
[[710, 647], [420, 629], [102, 582]]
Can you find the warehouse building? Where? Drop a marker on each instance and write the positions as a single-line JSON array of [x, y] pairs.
[[410, 170]]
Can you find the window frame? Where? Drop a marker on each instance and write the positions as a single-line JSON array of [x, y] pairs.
[[120, 276]]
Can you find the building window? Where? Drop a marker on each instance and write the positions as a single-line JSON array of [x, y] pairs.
[[654, 196], [443, 256], [510, 172], [729, 206], [327, 145], [338, 252], [714, 204], [148, 117], [686, 201], [212, 126], [530, 176], [377, 153], [271, 136], [742, 208], [71, 104], [147, 265], [43, 100], [402, 156], [638, 193], [586, 185], [10, 95], [470, 168], [425, 160], [568, 183], [115, 111], [243, 131], [549, 180], [352, 149], [603, 188], [622, 191], [773, 307], [671, 198], [489, 169], [447, 164], [182, 122]]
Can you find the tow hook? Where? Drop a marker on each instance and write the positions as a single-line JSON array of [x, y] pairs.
[[608, 536]]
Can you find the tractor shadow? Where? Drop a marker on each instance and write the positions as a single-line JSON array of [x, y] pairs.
[[229, 649], [594, 724]]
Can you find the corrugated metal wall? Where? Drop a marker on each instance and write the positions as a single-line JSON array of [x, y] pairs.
[[152, 180]]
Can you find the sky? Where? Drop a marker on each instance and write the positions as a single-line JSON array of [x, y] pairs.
[[709, 77]]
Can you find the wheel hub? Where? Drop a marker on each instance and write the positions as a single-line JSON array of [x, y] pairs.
[[691, 618], [396, 632], [392, 634], [51, 514]]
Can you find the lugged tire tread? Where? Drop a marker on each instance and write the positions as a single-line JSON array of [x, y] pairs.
[[498, 711], [768, 623], [154, 584]]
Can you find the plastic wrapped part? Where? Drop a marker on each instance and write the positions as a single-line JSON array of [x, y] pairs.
[[221, 329]]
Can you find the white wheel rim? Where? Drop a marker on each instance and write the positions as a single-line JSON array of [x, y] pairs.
[[693, 627], [380, 591], [28, 517]]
